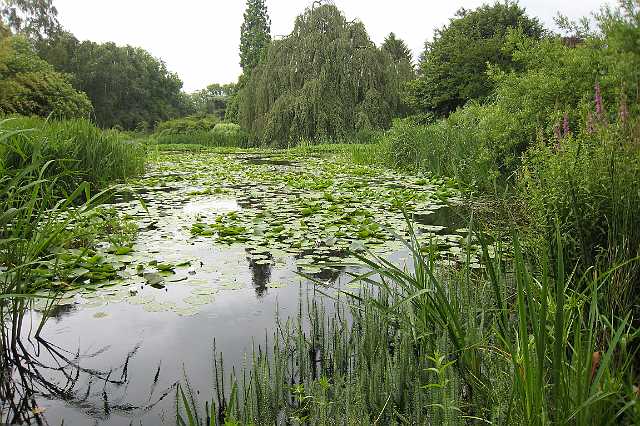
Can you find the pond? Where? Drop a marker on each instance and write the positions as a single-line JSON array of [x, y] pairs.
[[223, 240]]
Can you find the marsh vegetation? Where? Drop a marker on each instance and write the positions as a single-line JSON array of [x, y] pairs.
[[341, 236]]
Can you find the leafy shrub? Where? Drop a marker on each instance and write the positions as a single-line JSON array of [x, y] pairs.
[[222, 134], [187, 125], [229, 134], [198, 138], [30, 86]]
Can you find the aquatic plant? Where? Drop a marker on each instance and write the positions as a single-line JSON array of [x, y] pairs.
[[419, 346], [74, 151]]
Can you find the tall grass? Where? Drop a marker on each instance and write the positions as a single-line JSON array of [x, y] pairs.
[[425, 346], [75, 150], [43, 194]]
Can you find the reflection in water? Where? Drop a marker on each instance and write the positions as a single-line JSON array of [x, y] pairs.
[[260, 277], [59, 311], [32, 368], [329, 276], [449, 217]]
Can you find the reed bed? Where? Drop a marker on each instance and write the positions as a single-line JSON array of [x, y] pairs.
[[74, 151], [428, 345]]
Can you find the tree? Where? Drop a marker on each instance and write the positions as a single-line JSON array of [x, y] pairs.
[[325, 80], [402, 66], [397, 48], [128, 87], [213, 100], [255, 34], [32, 18], [31, 86], [453, 68]]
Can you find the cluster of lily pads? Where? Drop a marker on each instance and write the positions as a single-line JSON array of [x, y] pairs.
[[312, 213], [322, 210]]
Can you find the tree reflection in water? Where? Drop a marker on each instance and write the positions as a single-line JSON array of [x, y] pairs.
[[31, 368]]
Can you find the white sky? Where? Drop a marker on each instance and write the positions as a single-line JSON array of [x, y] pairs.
[[199, 39]]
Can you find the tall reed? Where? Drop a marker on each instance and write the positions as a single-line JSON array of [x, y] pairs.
[[508, 345], [75, 151]]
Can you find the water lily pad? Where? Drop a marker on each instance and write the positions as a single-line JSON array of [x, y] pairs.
[[199, 299], [277, 285], [204, 291], [186, 311], [232, 286], [153, 278], [158, 307], [140, 299]]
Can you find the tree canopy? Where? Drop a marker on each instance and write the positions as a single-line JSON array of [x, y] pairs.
[[213, 99], [397, 48], [255, 34], [31, 86], [325, 80], [32, 18], [453, 68], [128, 87]]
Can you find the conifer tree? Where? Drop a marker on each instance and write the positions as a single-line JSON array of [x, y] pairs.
[[397, 48], [255, 34]]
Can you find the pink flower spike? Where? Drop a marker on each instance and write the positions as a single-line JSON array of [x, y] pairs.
[[598, 99]]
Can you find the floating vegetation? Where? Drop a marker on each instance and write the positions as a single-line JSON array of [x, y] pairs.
[[258, 212]]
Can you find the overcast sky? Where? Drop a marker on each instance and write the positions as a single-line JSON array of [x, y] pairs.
[[199, 39]]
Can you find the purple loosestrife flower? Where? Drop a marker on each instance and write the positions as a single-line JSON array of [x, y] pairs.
[[557, 132], [565, 125], [598, 99]]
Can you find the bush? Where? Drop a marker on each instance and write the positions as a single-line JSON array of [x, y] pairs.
[[78, 151], [188, 125], [221, 134], [30, 86], [229, 134], [588, 184]]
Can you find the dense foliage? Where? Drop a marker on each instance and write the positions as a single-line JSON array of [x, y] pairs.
[[31, 86], [453, 66], [325, 80], [69, 152], [33, 18], [562, 127], [213, 99], [189, 124], [128, 87], [255, 34]]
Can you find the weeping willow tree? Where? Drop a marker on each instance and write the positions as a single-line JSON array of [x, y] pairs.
[[326, 79]]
